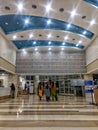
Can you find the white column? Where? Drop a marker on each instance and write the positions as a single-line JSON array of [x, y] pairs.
[[36, 81]]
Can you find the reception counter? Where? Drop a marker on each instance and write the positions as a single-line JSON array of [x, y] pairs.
[[4, 92]]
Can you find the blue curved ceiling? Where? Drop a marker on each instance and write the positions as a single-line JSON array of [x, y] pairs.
[[16, 24], [30, 43], [92, 2]]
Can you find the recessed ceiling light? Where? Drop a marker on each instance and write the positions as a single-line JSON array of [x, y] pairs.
[[34, 42], [80, 41], [14, 37], [73, 13], [63, 43], [62, 48], [27, 21], [20, 6], [6, 23], [17, 22], [49, 21], [92, 22], [84, 32], [68, 25], [24, 51], [31, 35], [49, 48], [2, 73], [66, 37], [36, 49], [49, 35], [48, 7], [49, 42]]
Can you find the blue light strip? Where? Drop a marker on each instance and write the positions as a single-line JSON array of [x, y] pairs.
[[16, 23], [92, 2], [30, 43]]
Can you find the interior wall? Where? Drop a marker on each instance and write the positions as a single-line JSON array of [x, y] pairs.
[[4, 77], [34, 62], [92, 52], [7, 51], [92, 57]]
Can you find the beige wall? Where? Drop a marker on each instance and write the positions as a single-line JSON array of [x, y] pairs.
[[88, 77], [4, 64], [93, 67], [92, 56], [7, 50]]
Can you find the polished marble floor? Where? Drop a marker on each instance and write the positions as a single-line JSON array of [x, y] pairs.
[[68, 113]]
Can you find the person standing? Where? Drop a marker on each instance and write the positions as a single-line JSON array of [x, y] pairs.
[[12, 90], [47, 93], [40, 91], [54, 92]]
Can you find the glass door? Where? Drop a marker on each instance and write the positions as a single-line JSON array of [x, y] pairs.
[[66, 88]]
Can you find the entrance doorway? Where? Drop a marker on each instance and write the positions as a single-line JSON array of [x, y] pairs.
[[66, 88]]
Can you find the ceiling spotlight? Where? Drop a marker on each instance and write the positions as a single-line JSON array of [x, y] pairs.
[[26, 21], [48, 7], [77, 44], [49, 35], [6, 23], [2, 74], [49, 21], [36, 49], [49, 42], [24, 51], [84, 32], [62, 49], [80, 41], [69, 25], [14, 37], [73, 13], [66, 37], [49, 49], [20, 6], [34, 42], [63, 43], [92, 22], [31, 35]]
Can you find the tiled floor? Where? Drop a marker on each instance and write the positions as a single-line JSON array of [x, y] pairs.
[[68, 113]]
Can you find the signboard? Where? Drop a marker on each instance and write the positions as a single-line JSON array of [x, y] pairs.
[[77, 82], [89, 86]]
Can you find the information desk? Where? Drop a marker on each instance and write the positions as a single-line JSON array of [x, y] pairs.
[[4, 92], [96, 95]]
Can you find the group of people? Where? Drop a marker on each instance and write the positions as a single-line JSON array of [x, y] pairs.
[[49, 91]]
